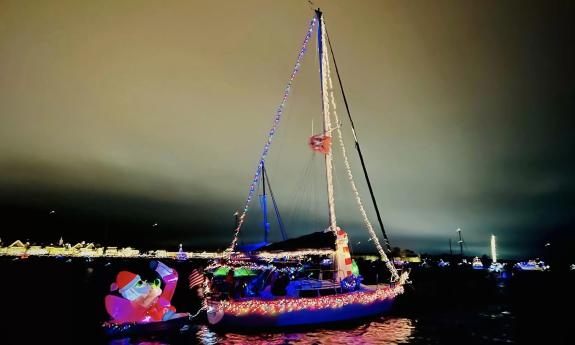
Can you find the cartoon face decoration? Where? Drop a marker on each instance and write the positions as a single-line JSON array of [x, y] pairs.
[[134, 288], [143, 288], [148, 292], [139, 300]]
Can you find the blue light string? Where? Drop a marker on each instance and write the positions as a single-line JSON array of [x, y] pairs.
[[272, 131]]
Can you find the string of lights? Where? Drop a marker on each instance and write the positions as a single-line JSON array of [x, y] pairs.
[[366, 221], [327, 129], [282, 305], [271, 133]]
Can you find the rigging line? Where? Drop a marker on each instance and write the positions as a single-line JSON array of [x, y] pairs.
[[366, 221], [276, 209], [297, 197], [389, 264], [386, 239], [205, 307], [316, 216], [310, 194], [277, 118], [303, 190]]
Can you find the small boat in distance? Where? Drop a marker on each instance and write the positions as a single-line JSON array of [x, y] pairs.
[[442, 263], [117, 330], [476, 264], [181, 255], [496, 267], [531, 265]]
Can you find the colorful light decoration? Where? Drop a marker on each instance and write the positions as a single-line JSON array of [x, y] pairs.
[[351, 282], [283, 305], [271, 133], [220, 270], [237, 260]]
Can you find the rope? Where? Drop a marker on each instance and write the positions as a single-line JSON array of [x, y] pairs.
[[366, 221], [358, 148], [276, 209], [299, 197], [198, 313], [272, 131]]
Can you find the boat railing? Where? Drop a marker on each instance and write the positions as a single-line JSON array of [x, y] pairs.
[[319, 273], [318, 282]]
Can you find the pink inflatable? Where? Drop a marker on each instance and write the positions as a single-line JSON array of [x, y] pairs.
[[141, 301]]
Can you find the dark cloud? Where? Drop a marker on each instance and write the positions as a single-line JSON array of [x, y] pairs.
[[122, 115]]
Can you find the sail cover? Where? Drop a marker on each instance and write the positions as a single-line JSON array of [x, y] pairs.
[[316, 240]]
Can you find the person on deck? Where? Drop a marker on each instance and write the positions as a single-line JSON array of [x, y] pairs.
[[230, 283]]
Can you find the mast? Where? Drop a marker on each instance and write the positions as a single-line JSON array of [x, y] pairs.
[[460, 243], [326, 120]]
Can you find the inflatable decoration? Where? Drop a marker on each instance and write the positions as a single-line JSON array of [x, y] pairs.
[[134, 301]]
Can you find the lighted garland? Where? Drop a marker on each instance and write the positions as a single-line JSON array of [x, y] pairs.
[[283, 305], [327, 129], [253, 266], [373, 236], [269, 257], [271, 133]]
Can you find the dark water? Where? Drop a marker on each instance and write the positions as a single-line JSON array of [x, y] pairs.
[[62, 301]]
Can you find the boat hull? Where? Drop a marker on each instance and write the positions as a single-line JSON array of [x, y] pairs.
[[180, 324], [296, 318]]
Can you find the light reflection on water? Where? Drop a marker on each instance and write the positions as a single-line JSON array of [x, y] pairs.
[[380, 331]]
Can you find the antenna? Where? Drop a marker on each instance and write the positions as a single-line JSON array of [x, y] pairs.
[[311, 5], [460, 243], [312, 133]]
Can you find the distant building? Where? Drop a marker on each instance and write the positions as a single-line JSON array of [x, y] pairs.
[[36, 250], [56, 250], [111, 251], [16, 248]]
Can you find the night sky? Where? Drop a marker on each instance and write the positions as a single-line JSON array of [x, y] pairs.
[[121, 114]]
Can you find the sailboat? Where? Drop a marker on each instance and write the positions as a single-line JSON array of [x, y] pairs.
[[531, 265], [286, 284]]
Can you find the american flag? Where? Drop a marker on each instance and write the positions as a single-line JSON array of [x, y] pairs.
[[196, 278]]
